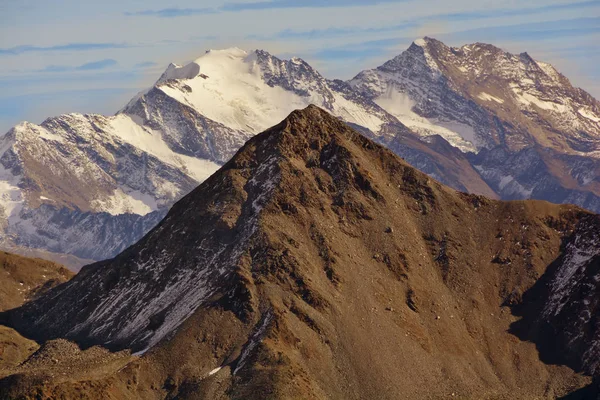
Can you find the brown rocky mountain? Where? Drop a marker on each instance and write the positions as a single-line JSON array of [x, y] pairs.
[[318, 264], [23, 279]]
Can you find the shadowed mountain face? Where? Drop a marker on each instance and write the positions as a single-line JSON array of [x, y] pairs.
[[315, 264]]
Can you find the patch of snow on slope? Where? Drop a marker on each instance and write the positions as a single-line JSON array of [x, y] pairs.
[[400, 106], [11, 198], [422, 43], [175, 71], [254, 341], [488, 97], [121, 202], [548, 70], [41, 132], [588, 114], [528, 99], [147, 140]]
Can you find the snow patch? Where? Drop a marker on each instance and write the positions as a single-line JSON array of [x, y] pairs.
[[588, 114], [175, 71], [130, 131], [548, 70], [528, 99], [488, 97], [120, 202], [254, 341], [400, 106]]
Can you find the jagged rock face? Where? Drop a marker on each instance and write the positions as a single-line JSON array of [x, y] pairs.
[[572, 306], [316, 264], [560, 310], [481, 98], [90, 186]]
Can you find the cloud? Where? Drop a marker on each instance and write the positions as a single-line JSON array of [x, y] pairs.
[[172, 12], [56, 68], [258, 5], [64, 47], [437, 19], [511, 12], [264, 5], [349, 53], [548, 30], [145, 64], [332, 32], [91, 66], [102, 64]]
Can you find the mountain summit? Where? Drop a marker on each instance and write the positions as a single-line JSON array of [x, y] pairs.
[[532, 134], [318, 264]]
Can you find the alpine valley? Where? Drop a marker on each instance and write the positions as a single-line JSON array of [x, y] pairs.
[[79, 188]]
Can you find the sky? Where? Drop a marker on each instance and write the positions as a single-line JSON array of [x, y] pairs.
[[64, 56]]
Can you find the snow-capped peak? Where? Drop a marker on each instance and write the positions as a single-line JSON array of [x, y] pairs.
[[421, 42], [175, 71], [228, 52], [251, 91]]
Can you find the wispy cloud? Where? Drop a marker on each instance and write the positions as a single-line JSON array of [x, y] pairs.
[[538, 32], [257, 5], [516, 11], [145, 64], [102, 64], [548, 30], [172, 12], [91, 66], [63, 47], [263, 5], [349, 53], [333, 32]]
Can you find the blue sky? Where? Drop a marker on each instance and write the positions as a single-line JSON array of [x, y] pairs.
[[65, 55]]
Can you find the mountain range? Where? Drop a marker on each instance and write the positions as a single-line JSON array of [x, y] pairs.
[[316, 263], [475, 118]]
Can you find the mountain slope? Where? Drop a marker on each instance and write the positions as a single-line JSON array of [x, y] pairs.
[[90, 185], [22, 279], [315, 264], [25, 278], [535, 135]]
